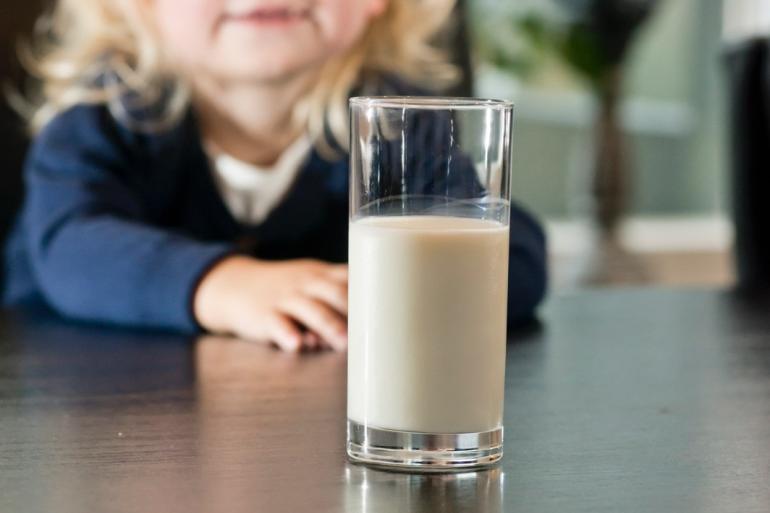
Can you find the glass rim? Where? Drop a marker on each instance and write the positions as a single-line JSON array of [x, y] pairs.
[[430, 102]]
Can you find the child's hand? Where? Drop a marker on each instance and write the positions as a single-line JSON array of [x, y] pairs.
[[274, 301]]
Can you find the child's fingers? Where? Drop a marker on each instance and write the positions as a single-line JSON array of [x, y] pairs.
[[311, 341], [319, 317], [284, 333], [319, 343], [338, 272], [333, 293]]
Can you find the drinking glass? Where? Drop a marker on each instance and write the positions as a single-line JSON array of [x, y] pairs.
[[429, 229]]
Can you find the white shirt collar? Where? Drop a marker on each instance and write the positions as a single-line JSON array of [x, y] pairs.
[[252, 192]]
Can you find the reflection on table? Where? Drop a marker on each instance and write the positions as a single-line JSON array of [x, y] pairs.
[[374, 491]]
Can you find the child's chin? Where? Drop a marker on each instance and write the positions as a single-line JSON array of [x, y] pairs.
[[260, 69]]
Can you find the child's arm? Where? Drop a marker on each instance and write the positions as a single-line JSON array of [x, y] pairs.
[[93, 250], [97, 254]]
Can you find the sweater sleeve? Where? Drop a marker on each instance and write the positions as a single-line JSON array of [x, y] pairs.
[[527, 266], [93, 250]]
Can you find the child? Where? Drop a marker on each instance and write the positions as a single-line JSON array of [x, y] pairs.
[[189, 168]]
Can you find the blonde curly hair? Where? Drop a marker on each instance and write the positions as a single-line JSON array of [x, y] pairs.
[[103, 51]]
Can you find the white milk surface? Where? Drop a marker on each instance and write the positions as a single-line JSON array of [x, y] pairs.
[[427, 321]]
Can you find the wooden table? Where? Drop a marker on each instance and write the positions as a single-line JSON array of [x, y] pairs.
[[626, 401]]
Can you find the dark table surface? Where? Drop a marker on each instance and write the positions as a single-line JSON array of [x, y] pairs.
[[645, 400]]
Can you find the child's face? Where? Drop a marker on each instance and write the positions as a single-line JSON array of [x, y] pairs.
[[265, 40]]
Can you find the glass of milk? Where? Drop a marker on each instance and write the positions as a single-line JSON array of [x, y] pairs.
[[429, 221]]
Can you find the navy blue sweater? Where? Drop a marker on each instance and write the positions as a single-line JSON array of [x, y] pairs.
[[119, 226]]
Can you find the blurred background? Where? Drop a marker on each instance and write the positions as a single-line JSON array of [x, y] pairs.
[[621, 126], [669, 216]]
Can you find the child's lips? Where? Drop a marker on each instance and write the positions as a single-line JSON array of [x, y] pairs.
[[269, 15]]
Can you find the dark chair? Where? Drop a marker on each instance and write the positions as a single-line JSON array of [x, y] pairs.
[[748, 66], [16, 20]]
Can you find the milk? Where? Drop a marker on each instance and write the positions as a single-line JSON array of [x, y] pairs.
[[426, 321]]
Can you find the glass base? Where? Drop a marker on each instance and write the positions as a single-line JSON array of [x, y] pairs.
[[423, 452]]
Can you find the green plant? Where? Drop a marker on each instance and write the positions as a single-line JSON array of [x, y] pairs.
[[592, 39]]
